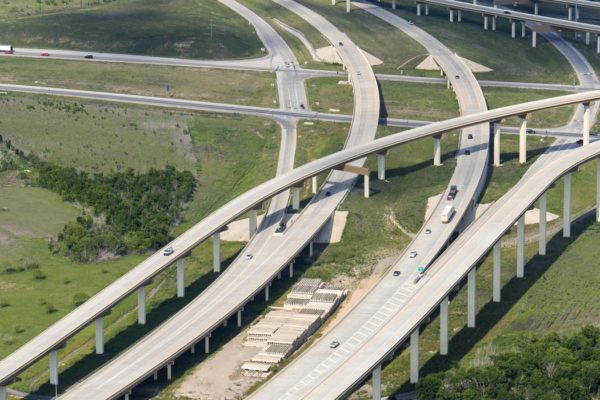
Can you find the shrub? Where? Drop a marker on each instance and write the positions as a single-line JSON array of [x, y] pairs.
[[38, 275], [49, 308], [4, 303], [79, 299]]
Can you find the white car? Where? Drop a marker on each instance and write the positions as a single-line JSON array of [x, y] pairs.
[[249, 256], [168, 251], [428, 231], [412, 254], [334, 344]]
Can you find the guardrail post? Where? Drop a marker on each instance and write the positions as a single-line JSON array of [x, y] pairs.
[[54, 367], [180, 278], [496, 128], [586, 123], [567, 206], [216, 252], [100, 335], [381, 166], [542, 235], [141, 295], [523, 139], [444, 326], [414, 356], [471, 292], [521, 246], [437, 150], [377, 383], [497, 271], [485, 22]]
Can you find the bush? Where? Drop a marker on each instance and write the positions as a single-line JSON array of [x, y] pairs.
[[19, 329], [79, 299], [49, 308], [38, 275], [4, 303]]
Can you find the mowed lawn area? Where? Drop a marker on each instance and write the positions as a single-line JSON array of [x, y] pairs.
[[174, 28], [228, 155]]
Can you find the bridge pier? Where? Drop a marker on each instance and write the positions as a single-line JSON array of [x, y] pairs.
[[444, 326], [295, 198], [169, 371], [377, 383], [598, 190], [414, 356], [567, 206], [497, 271], [267, 291], [451, 15], [311, 251], [225, 322], [523, 139], [496, 130], [533, 38], [459, 15], [141, 296], [437, 150], [239, 317], [597, 44], [252, 223], [3, 393], [494, 18], [347, 6], [542, 235], [291, 269], [523, 32], [100, 335], [155, 376], [485, 22], [207, 343], [393, 4], [216, 252], [418, 9], [586, 123], [193, 349], [513, 29], [570, 13], [426, 9], [471, 292], [314, 184], [381, 166], [366, 185], [587, 38], [536, 8], [54, 367], [180, 278], [126, 397], [521, 246]]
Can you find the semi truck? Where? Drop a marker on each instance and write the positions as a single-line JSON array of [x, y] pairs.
[[447, 214], [6, 49]]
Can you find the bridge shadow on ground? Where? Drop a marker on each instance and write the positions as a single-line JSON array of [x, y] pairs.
[[491, 313], [131, 333]]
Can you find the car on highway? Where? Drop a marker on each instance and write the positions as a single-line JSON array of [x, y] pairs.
[[168, 251], [45, 54], [248, 256], [334, 344], [470, 136], [411, 22], [341, 44], [506, 12], [88, 56], [452, 193], [327, 193], [428, 231], [280, 229], [421, 270], [467, 152], [302, 106], [580, 141], [412, 254], [530, 130], [396, 273], [457, 76]]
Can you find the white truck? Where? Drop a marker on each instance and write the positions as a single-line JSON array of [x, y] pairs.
[[447, 214], [6, 49]]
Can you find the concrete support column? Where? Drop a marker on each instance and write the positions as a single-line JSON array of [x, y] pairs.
[[521, 246], [225, 323], [570, 13], [598, 190], [471, 292], [567, 206], [418, 9], [459, 15], [496, 128], [295, 198], [444, 326], [366, 186], [426, 9], [267, 291], [586, 123], [451, 15], [513, 29], [497, 271], [437, 151], [523, 32], [381, 167], [597, 44], [126, 397], [291, 269], [333, 2], [587, 38], [180, 278], [141, 295], [414, 356], [393, 4], [523, 139], [193, 349], [239, 317], [3, 393], [207, 344], [217, 252], [169, 371], [155, 376], [536, 8], [252, 223], [485, 22], [533, 38], [310, 249], [314, 184], [54, 367], [347, 6], [377, 383], [100, 335], [542, 236], [494, 22]]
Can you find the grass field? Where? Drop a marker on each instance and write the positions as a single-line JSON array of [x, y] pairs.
[[229, 155], [555, 117], [176, 28], [221, 86], [398, 99]]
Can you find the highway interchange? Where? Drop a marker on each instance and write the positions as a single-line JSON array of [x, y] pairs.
[[208, 311]]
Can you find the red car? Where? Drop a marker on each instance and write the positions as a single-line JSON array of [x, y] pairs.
[[45, 54]]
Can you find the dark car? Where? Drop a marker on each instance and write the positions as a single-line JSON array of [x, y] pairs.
[[341, 44], [452, 192], [396, 273], [328, 193], [45, 54], [530, 130], [88, 56], [580, 141], [280, 229], [470, 136], [468, 152]]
